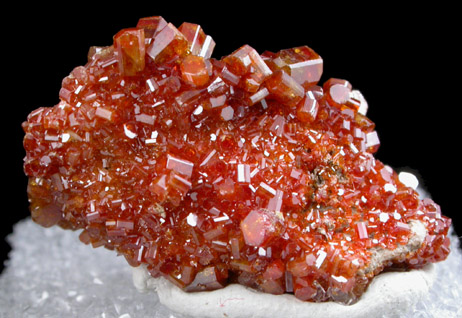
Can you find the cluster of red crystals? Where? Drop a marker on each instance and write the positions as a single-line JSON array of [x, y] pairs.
[[211, 172]]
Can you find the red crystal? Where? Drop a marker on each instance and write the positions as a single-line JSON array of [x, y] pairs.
[[168, 45], [194, 70], [211, 172], [130, 51], [285, 89], [247, 64], [302, 63], [200, 44], [151, 25], [259, 226], [307, 109]]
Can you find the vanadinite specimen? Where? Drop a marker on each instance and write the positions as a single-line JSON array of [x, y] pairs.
[[210, 172]]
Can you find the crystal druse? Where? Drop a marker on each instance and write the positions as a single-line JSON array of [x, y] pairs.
[[243, 169]]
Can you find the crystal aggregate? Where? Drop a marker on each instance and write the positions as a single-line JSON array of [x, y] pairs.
[[210, 172]]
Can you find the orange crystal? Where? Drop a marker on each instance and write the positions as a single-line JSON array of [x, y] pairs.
[[212, 172], [194, 70], [130, 50], [200, 44]]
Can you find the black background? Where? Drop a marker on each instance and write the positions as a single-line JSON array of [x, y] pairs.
[[403, 59]]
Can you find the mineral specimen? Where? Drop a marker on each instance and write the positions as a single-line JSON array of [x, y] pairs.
[[211, 172]]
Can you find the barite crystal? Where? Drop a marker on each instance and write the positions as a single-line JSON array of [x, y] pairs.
[[211, 172]]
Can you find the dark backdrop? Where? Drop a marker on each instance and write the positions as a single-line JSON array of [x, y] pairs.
[[402, 59]]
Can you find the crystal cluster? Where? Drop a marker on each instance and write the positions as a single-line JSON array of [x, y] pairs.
[[210, 172]]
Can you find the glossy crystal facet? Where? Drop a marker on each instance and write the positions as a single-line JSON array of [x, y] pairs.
[[302, 63], [200, 44], [131, 51], [217, 171], [151, 25], [168, 45]]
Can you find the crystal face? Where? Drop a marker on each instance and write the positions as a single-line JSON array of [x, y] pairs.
[[241, 170]]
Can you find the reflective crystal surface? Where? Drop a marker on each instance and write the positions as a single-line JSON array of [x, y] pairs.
[[210, 172], [99, 284]]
